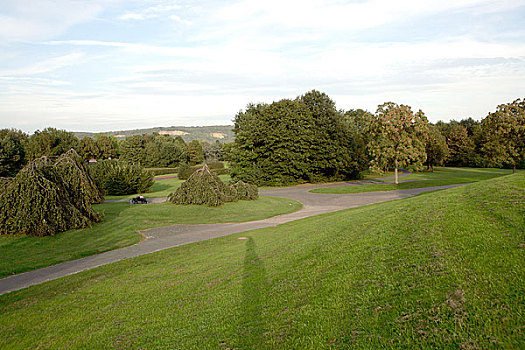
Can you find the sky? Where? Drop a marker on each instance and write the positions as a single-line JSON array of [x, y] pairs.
[[101, 65]]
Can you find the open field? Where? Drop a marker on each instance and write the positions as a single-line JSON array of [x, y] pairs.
[[440, 177], [120, 227], [440, 270]]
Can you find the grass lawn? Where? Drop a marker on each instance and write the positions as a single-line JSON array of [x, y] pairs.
[[119, 229], [442, 270], [440, 177], [162, 188]]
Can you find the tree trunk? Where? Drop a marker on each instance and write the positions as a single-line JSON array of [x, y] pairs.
[[514, 169], [395, 172]]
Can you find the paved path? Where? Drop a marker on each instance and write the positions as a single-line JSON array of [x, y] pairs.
[[176, 235]]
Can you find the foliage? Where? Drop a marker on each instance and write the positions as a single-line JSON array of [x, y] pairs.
[[436, 148], [398, 137], [120, 177], [12, 152], [205, 187], [460, 145], [153, 150], [294, 141], [162, 171], [185, 171], [47, 197], [50, 142], [505, 135], [212, 151], [87, 148], [246, 191], [195, 153]]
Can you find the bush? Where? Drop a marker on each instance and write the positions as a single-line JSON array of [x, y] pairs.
[[185, 171], [120, 178], [205, 187], [246, 191], [215, 164], [47, 197]]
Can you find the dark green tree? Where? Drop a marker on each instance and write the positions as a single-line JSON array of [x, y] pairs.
[[87, 148], [107, 146], [12, 151], [460, 145], [132, 149], [50, 142], [195, 154], [436, 148]]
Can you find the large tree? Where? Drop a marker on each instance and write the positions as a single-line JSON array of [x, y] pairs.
[[398, 137], [12, 152], [436, 148], [504, 132], [50, 142], [460, 145]]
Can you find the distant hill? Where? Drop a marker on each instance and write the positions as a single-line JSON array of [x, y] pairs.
[[223, 133]]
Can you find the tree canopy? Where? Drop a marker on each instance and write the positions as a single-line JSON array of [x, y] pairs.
[[398, 137]]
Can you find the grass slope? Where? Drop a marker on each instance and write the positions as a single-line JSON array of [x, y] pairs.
[[440, 177], [120, 228], [444, 270]]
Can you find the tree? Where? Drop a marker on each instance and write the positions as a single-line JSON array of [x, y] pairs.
[[12, 151], [398, 137], [87, 148], [107, 146], [272, 143], [132, 149], [436, 148], [460, 145], [335, 152], [47, 197], [195, 153], [50, 142], [504, 131]]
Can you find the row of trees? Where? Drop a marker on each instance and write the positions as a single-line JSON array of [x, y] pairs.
[[152, 150], [308, 139]]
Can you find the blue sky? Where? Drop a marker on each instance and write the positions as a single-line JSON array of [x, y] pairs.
[[100, 65]]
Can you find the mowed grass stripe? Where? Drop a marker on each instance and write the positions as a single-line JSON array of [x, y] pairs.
[[443, 270]]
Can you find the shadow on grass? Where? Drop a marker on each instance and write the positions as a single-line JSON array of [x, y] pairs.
[[252, 325]]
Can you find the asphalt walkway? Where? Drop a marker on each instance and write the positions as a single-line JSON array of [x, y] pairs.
[[172, 236]]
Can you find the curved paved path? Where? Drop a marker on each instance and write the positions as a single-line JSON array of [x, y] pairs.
[[176, 235]]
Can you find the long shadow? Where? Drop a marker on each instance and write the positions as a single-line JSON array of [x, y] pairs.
[[252, 325]]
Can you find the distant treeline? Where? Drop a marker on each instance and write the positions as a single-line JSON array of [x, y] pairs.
[[300, 140], [152, 150]]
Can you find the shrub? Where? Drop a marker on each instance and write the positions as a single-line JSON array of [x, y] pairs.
[[203, 187], [246, 191], [47, 197], [215, 164], [185, 171], [120, 178]]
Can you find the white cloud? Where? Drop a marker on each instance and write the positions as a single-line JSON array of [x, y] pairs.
[[151, 12]]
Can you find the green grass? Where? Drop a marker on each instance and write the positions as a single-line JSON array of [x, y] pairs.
[[162, 188], [440, 177], [120, 228], [444, 271]]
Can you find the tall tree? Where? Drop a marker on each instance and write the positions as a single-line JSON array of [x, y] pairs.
[[460, 145], [195, 153], [88, 149], [132, 149], [12, 152], [398, 137], [504, 131], [107, 146], [436, 148], [50, 142]]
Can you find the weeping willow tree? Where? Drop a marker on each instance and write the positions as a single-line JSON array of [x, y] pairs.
[[49, 196], [205, 187]]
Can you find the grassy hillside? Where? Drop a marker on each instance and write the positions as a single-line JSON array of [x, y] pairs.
[[120, 227], [223, 133], [440, 270], [440, 177]]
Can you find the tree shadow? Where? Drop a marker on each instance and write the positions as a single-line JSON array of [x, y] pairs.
[[252, 325]]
